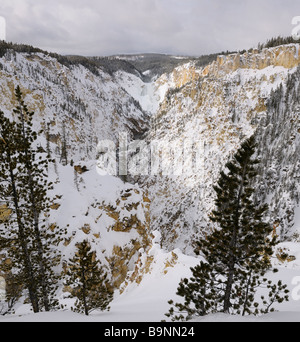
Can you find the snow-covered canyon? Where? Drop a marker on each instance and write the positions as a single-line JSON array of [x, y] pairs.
[[144, 232]]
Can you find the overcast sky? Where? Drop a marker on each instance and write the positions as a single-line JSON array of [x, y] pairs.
[[183, 27]]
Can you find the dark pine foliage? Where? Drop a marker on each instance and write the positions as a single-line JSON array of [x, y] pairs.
[[88, 281], [237, 254], [26, 237], [277, 41]]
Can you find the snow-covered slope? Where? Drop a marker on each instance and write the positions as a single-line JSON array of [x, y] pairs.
[[215, 108], [112, 215], [82, 106], [145, 299]]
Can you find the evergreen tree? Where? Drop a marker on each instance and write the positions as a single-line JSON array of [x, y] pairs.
[[24, 185], [237, 254], [15, 233], [88, 281], [64, 148], [47, 131]]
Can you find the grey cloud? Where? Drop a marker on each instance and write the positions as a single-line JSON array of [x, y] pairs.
[[104, 27]]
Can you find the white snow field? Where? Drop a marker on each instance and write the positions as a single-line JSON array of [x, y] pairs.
[[148, 301]]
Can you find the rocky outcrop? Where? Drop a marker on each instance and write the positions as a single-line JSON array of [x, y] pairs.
[[5, 213], [287, 56], [123, 255], [180, 76], [150, 258]]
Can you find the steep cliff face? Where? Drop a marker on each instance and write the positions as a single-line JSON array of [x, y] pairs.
[[213, 108], [279, 149], [76, 107], [286, 56]]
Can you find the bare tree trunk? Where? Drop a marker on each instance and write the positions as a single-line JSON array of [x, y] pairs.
[[233, 261], [86, 309], [30, 279]]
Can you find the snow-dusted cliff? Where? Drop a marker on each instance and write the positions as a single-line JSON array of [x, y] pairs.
[[79, 106], [217, 107]]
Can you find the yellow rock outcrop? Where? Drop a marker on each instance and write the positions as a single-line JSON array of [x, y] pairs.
[[287, 56], [121, 256], [5, 213]]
